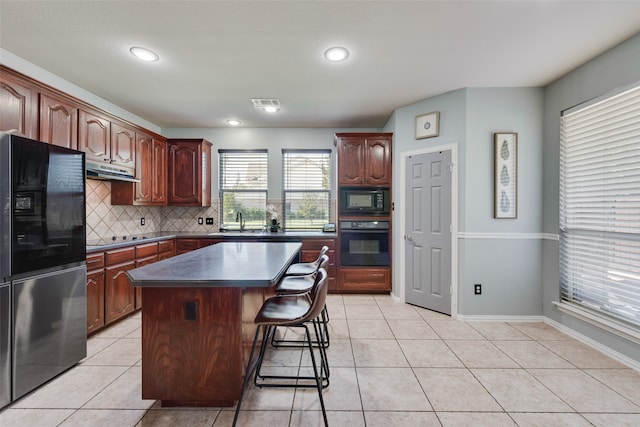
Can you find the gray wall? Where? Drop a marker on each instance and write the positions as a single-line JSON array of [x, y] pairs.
[[502, 255], [617, 67]]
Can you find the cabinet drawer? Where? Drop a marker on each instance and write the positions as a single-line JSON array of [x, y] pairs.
[[145, 261], [166, 246], [187, 245], [147, 250], [165, 255], [365, 279], [95, 261], [317, 244], [117, 256]]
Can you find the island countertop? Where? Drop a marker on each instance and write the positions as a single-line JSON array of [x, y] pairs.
[[226, 264]]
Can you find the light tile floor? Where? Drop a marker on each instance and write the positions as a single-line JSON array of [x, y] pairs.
[[392, 365]]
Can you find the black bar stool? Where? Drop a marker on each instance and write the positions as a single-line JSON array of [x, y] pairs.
[[291, 311], [292, 285]]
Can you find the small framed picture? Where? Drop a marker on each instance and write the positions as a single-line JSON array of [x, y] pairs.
[[427, 125], [505, 175]]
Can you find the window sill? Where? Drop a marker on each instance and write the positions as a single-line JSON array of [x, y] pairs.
[[609, 325]]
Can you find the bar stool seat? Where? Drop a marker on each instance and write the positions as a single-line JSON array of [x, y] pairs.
[[304, 268], [291, 311], [298, 284]]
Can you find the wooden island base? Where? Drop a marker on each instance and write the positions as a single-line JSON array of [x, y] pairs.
[[195, 343]]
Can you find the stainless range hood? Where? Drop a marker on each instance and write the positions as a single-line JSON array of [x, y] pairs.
[[109, 172]]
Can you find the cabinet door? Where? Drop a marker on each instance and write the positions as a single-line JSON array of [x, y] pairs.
[[144, 168], [159, 172], [94, 137], [351, 161], [18, 107], [138, 289], [123, 145], [378, 161], [58, 122], [119, 294], [184, 174], [95, 300]]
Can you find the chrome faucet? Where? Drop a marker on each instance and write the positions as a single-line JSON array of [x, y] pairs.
[[240, 220]]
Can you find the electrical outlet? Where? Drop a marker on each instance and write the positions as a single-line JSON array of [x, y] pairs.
[[200, 221], [142, 221], [477, 289], [209, 221]]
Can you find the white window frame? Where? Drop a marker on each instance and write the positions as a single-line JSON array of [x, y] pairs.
[[248, 187], [305, 187], [600, 209]]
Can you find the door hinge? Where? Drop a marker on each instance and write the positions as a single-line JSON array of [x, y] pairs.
[[451, 165], [450, 228]]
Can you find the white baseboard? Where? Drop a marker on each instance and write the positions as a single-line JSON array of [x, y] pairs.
[[625, 360], [494, 318], [633, 364]]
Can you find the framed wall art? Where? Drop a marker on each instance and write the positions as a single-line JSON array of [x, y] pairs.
[[505, 176], [427, 125]]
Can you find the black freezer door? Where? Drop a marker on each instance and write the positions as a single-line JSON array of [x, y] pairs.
[[46, 212]]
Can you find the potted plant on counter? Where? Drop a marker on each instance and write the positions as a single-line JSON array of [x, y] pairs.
[[274, 226]]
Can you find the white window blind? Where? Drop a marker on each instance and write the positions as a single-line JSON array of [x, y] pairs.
[[600, 206], [243, 188], [306, 188]]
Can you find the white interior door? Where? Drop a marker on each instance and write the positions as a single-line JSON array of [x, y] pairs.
[[428, 234]]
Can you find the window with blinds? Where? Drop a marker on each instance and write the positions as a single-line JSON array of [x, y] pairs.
[[600, 205], [306, 188], [243, 188]]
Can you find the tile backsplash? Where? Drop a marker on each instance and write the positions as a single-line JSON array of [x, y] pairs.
[[105, 220]]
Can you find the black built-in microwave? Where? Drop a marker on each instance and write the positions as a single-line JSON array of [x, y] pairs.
[[364, 201]]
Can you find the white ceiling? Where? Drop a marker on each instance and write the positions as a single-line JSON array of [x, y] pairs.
[[217, 55]]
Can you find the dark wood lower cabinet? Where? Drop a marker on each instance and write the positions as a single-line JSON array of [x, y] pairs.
[[95, 300], [311, 249], [140, 263], [360, 279], [110, 297], [119, 294]]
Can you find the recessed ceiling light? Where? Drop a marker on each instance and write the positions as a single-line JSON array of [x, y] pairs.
[[336, 54], [233, 122], [271, 109], [144, 54]]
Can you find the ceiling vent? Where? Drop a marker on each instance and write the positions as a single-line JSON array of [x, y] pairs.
[[267, 104]]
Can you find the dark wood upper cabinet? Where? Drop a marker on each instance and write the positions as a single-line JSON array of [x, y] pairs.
[[151, 169], [18, 106], [123, 145], [351, 160], [364, 158], [189, 172], [58, 121], [159, 171], [94, 136]]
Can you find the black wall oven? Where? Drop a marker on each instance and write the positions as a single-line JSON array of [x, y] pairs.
[[364, 243]]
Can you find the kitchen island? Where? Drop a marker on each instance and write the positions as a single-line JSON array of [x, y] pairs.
[[197, 324]]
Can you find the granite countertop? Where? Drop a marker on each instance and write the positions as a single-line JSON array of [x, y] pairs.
[[222, 265], [114, 242]]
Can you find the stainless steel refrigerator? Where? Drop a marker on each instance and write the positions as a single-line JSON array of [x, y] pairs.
[[42, 263]]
